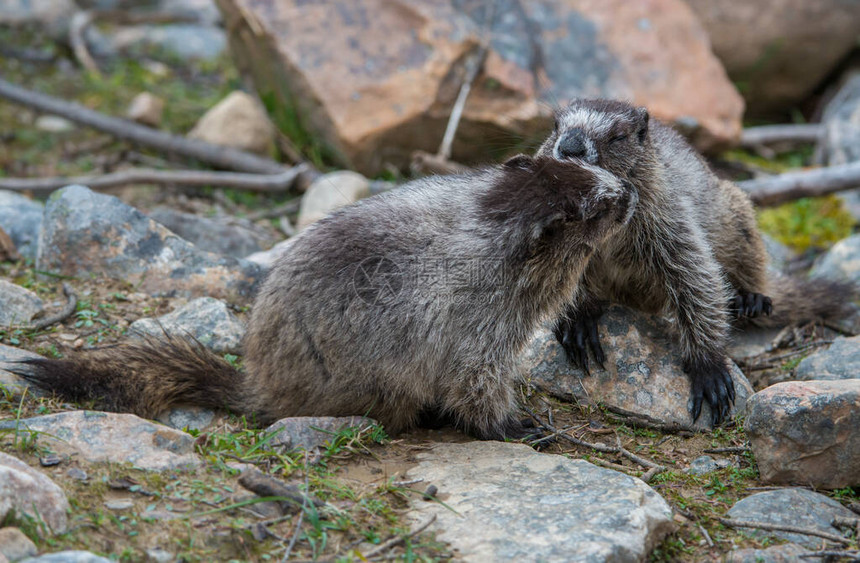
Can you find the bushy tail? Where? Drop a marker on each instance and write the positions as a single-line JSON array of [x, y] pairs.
[[143, 377], [799, 300]]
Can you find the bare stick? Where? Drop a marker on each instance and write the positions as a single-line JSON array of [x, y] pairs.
[[214, 155], [473, 66], [851, 555], [288, 208], [774, 190], [394, 541], [794, 133], [279, 182], [64, 314], [731, 450], [706, 535], [265, 486], [79, 24], [782, 528], [597, 447]]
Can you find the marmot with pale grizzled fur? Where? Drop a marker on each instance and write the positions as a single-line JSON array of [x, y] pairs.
[[692, 249], [359, 318]]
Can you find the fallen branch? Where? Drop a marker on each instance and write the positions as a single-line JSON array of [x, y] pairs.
[[729, 450], [64, 314], [77, 27], [768, 134], [600, 447], [265, 486], [850, 554], [774, 190], [218, 156], [399, 539], [279, 182], [781, 528]]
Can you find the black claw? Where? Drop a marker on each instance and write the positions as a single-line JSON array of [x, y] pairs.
[[750, 305], [577, 331], [711, 381]]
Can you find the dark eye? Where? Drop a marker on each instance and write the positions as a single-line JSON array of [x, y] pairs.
[[618, 139]]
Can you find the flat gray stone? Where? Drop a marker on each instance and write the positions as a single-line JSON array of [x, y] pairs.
[[68, 557], [840, 143], [113, 437], [194, 418], [21, 218], [18, 305], [507, 502], [750, 342], [207, 320], [791, 507], [840, 361], [706, 464], [30, 492], [643, 375], [86, 232]]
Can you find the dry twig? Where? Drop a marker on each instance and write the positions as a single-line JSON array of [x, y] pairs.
[[214, 155], [279, 182], [399, 539], [64, 314], [774, 190], [783, 528]]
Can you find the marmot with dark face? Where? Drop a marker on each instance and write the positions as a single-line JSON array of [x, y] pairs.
[[414, 300], [692, 249]]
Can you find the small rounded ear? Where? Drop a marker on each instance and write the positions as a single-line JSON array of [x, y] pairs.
[[523, 161], [547, 227], [642, 118]]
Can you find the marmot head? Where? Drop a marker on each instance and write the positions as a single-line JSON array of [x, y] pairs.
[[549, 199], [606, 133]]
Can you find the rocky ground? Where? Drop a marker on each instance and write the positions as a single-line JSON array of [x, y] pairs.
[[628, 476]]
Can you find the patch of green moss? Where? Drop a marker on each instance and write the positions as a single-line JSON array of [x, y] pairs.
[[808, 222]]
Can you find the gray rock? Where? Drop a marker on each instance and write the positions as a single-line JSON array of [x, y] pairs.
[[206, 319], [147, 109], [311, 432], [267, 258], [188, 42], [194, 418], [643, 375], [229, 236], [706, 464], [27, 491], [330, 192], [18, 306], [780, 255], [54, 124], [507, 502], [85, 232], [842, 261], [840, 361], [791, 507], [77, 474], [840, 143], [785, 553], [53, 16], [119, 504], [160, 555], [15, 545], [11, 382], [237, 121], [750, 342], [204, 11], [21, 218], [68, 557], [112, 437], [806, 432]]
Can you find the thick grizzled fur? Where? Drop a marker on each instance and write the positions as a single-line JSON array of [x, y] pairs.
[[692, 249], [414, 300]]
